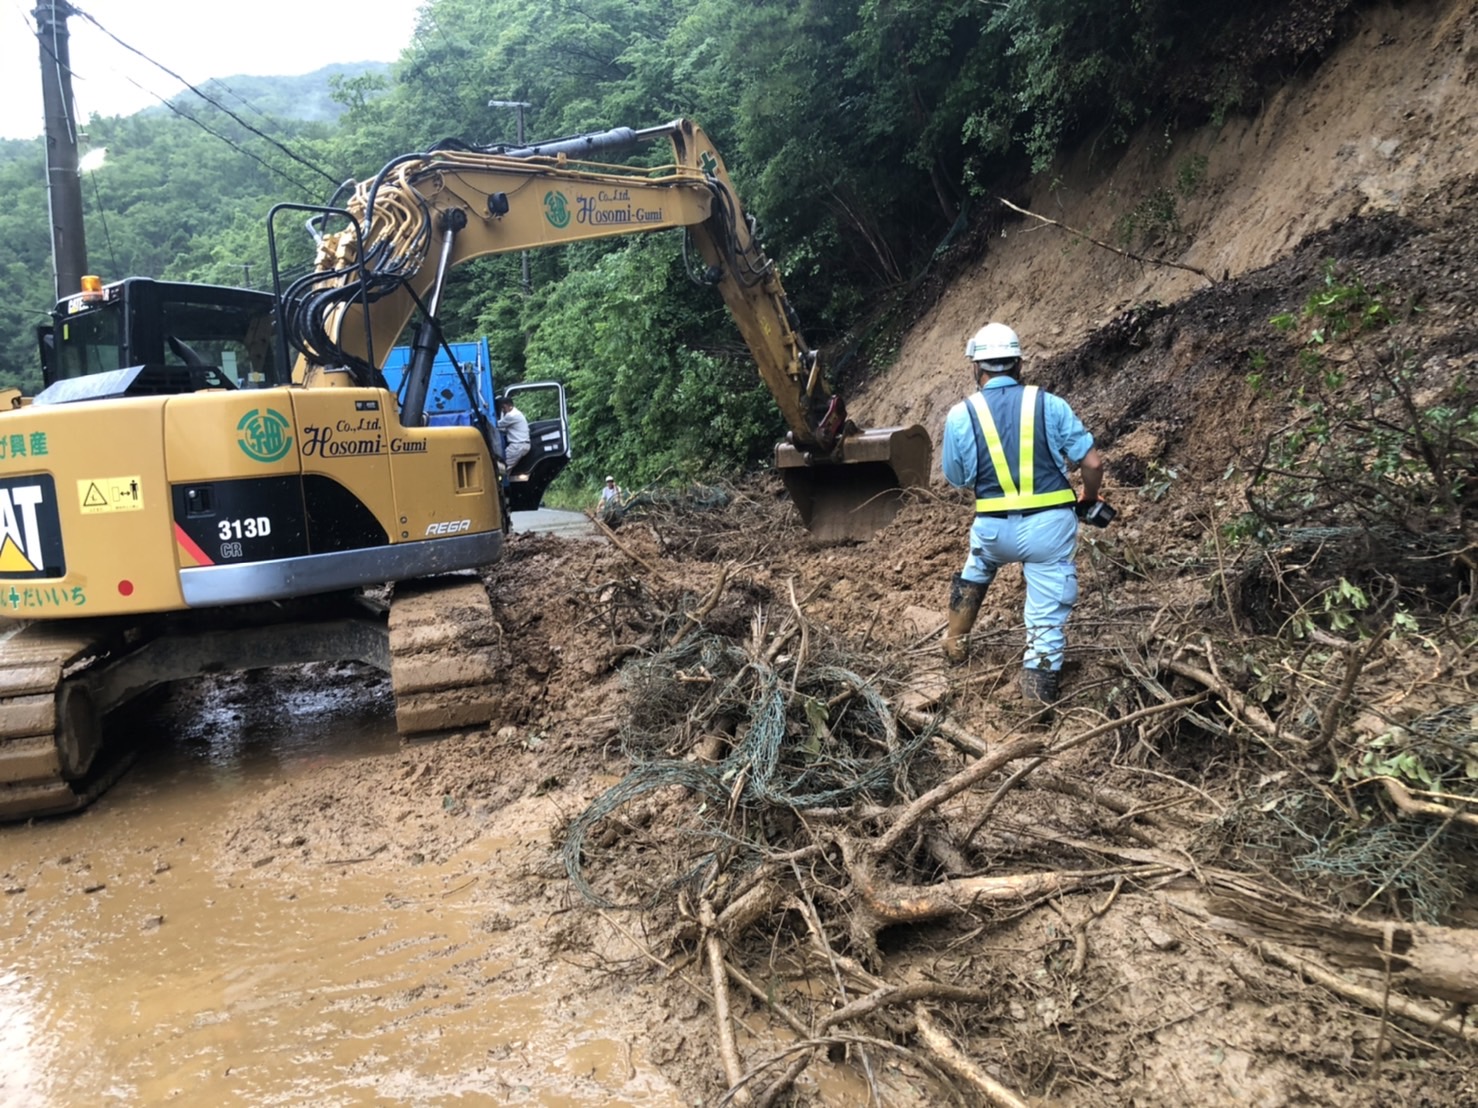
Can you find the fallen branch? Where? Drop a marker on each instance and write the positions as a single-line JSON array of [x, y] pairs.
[[728, 1051], [1210, 280], [621, 546], [1115, 800], [1240, 706], [1402, 797], [1356, 657], [890, 995], [695, 619], [928, 1065], [1440, 962], [355, 861], [889, 903], [983, 767], [957, 737]]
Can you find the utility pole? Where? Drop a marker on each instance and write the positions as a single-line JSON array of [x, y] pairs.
[[520, 105], [63, 181]]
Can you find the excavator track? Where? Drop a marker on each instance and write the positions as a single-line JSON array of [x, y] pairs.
[[443, 655], [59, 681], [52, 759]]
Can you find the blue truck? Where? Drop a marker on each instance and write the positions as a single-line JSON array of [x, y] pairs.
[[462, 392]]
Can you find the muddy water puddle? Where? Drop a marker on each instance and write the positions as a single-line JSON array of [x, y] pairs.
[[138, 965]]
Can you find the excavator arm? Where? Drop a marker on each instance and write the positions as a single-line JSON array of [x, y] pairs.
[[425, 213]]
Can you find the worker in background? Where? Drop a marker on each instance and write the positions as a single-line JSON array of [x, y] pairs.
[[609, 506], [1013, 445], [515, 427]]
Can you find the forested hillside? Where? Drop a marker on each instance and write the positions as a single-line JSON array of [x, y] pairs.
[[865, 137]]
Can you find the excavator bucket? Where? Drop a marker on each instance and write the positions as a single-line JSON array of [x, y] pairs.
[[852, 498]]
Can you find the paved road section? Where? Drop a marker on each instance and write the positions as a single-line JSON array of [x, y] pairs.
[[552, 521]]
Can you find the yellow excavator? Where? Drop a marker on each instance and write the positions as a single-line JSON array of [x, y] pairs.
[[213, 477]]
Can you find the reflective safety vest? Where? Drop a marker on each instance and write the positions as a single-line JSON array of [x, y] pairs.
[[1016, 478]]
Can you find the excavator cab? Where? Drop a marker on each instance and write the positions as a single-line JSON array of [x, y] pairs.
[[139, 337]]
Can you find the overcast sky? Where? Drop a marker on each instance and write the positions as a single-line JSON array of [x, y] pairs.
[[198, 39]]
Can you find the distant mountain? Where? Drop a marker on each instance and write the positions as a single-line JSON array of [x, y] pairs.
[[306, 97]]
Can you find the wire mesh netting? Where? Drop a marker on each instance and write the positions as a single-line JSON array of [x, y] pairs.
[[798, 737]]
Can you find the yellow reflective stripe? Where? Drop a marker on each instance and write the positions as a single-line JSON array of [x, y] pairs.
[[1022, 503], [1028, 441], [1024, 499], [993, 444]]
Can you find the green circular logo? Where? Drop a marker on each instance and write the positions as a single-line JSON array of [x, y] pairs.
[[264, 436], [556, 208]]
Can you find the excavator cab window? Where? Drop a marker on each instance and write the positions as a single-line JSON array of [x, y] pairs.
[[85, 343], [221, 337]]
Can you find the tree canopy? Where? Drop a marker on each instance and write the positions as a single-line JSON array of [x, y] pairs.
[[858, 132]]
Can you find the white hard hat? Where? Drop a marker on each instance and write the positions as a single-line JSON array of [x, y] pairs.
[[609, 477], [995, 342]]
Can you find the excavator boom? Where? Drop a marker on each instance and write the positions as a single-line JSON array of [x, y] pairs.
[[459, 203], [212, 477]]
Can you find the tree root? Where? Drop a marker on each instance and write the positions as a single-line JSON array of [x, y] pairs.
[[1446, 1023], [948, 1055]]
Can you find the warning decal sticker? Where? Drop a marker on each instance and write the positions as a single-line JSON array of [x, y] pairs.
[[109, 494]]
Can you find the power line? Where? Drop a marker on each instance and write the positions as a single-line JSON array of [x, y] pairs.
[[186, 115], [103, 215], [209, 100], [216, 134]]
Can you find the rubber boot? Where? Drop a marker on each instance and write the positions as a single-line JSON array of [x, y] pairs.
[[1039, 685], [965, 598]]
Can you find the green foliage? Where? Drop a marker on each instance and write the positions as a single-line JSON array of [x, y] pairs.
[[855, 133], [1158, 481], [1337, 609], [649, 396], [1153, 219], [1373, 438], [1190, 175]]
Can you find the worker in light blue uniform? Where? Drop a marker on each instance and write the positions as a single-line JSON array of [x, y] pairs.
[[1013, 445]]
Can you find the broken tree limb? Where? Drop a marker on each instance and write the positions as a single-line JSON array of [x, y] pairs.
[[1356, 655], [926, 1063], [781, 1085], [1405, 799], [727, 1049], [890, 903], [1113, 249], [696, 618], [983, 767], [619, 545], [957, 737], [1435, 961], [891, 995], [1241, 707], [789, 1018], [1066, 745]]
